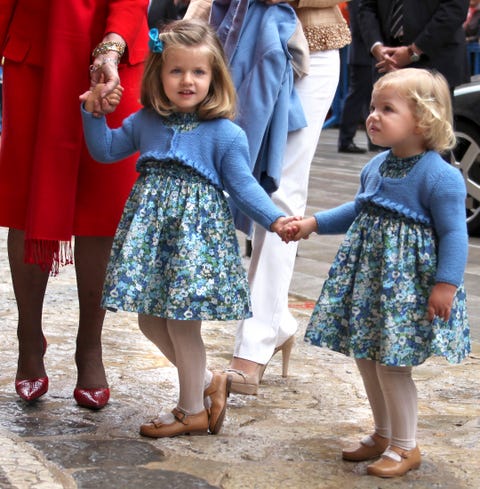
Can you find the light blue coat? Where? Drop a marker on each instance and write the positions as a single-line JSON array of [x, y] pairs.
[[255, 38]]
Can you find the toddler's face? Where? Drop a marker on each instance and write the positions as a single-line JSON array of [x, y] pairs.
[[186, 76], [391, 123]]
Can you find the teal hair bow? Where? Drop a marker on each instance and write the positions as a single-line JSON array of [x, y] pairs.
[[154, 43]]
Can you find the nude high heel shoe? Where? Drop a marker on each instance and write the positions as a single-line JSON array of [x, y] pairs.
[[286, 349], [243, 383], [247, 383]]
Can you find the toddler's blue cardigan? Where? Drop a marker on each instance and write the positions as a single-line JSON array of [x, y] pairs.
[[433, 193]]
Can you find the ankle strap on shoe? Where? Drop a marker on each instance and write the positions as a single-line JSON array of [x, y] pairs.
[[180, 415], [235, 371]]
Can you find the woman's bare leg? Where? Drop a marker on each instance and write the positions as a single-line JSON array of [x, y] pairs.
[[29, 285], [91, 259]]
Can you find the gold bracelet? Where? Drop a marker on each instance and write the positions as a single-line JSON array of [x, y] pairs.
[[104, 47]]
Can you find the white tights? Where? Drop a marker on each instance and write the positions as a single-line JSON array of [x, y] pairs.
[[181, 343], [392, 396]]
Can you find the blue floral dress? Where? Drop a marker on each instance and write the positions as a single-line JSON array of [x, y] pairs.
[[373, 304], [175, 254]]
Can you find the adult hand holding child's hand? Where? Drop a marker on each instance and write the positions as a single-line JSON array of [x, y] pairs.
[[98, 105]]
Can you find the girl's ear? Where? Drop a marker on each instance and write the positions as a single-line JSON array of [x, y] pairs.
[[418, 131]]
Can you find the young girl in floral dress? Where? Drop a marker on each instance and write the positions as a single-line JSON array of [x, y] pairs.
[[394, 295], [175, 259]]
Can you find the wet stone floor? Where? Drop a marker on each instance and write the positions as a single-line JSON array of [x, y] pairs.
[[289, 436]]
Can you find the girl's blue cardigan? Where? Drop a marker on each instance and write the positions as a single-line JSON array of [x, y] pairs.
[[433, 193], [217, 149]]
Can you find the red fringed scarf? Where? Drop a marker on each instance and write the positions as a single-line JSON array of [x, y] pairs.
[[49, 254]]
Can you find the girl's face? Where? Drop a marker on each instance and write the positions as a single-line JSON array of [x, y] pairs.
[[391, 124], [186, 76]]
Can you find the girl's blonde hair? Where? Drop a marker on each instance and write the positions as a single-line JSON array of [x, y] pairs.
[[221, 98], [429, 96]]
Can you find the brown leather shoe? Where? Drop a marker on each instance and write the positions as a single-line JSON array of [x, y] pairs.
[[184, 424], [395, 462], [218, 391], [372, 446]]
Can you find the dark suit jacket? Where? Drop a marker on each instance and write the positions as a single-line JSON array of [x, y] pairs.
[[358, 52], [435, 26]]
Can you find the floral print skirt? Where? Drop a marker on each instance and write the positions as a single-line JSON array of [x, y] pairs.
[[175, 254], [373, 304]]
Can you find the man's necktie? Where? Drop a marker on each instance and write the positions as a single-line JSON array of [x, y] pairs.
[[396, 22]]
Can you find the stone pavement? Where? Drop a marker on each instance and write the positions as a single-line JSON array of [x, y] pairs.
[[289, 436]]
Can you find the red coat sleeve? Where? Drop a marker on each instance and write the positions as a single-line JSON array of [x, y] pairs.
[[6, 11], [128, 18]]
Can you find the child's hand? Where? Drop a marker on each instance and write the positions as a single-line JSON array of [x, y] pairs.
[[111, 101], [280, 225], [299, 229], [440, 301], [93, 101]]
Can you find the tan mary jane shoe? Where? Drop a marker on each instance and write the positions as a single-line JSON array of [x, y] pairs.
[[395, 462], [371, 446], [218, 391], [184, 424]]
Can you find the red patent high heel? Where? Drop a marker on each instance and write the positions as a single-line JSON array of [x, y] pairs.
[[92, 398], [31, 389]]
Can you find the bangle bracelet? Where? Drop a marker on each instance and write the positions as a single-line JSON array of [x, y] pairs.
[[104, 47], [110, 60], [98, 66]]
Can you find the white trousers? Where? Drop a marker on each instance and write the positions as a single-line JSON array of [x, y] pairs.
[[272, 261]]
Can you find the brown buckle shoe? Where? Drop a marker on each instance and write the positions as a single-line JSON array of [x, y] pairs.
[[371, 446], [218, 391], [395, 462], [184, 424]]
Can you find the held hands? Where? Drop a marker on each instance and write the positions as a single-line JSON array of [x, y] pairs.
[[280, 224], [440, 301], [106, 75], [105, 90], [98, 105], [294, 228]]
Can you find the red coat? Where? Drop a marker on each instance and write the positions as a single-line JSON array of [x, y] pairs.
[[49, 185]]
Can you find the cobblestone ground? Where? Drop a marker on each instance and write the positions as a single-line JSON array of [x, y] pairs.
[[289, 436]]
